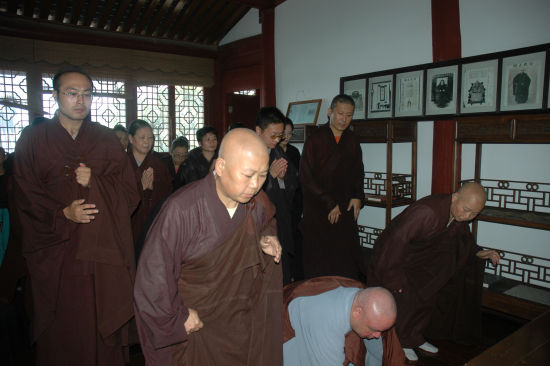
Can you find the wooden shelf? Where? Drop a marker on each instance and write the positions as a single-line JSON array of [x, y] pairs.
[[494, 298], [536, 220], [394, 203]]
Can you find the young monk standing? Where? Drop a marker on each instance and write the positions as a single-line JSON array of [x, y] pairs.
[[75, 192]]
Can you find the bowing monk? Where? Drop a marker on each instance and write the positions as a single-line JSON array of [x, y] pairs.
[[419, 252], [209, 287], [331, 320], [75, 192]]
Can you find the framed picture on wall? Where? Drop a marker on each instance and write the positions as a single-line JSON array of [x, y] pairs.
[[479, 87], [522, 82], [409, 89], [380, 93], [356, 89], [304, 112], [441, 90]]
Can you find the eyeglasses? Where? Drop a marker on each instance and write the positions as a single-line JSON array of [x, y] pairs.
[[280, 136], [73, 96]]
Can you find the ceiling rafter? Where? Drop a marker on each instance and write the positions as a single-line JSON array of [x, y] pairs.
[[163, 28], [145, 17]]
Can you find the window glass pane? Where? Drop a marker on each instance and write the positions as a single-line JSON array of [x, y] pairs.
[[13, 113], [189, 112], [152, 106]]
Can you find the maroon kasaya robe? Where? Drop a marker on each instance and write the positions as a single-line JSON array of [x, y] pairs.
[[354, 350], [418, 254], [81, 274], [162, 187], [196, 256], [331, 174]]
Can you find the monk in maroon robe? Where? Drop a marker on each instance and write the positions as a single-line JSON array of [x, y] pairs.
[[208, 290], [420, 251], [152, 176], [331, 174], [75, 192]]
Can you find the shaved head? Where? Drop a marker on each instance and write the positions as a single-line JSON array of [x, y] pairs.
[[242, 166], [373, 311], [468, 202]]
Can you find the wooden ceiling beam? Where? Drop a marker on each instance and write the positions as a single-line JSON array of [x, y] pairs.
[[16, 26], [60, 10], [216, 36], [257, 4], [44, 9], [196, 17], [105, 13], [90, 12], [163, 28], [188, 12], [115, 22], [146, 16], [133, 15], [28, 8], [212, 16], [76, 12], [152, 26]]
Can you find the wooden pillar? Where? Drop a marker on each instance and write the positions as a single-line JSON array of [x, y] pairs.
[[267, 95], [446, 44]]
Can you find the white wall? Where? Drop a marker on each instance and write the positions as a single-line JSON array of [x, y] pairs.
[[248, 26], [319, 41]]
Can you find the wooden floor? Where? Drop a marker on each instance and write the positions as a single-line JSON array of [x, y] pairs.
[[495, 328]]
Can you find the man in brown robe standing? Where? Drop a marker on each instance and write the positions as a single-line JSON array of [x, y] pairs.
[[75, 192], [208, 290], [420, 251], [331, 174]]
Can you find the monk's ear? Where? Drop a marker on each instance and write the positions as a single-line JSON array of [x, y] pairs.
[[55, 95], [258, 130], [219, 166]]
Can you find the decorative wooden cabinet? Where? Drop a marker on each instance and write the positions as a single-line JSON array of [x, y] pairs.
[[511, 202]]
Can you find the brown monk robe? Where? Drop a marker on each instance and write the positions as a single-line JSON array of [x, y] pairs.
[[75, 192], [208, 291], [355, 350], [420, 251], [160, 186], [331, 175]]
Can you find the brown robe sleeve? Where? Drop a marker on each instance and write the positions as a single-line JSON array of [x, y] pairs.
[[420, 221]]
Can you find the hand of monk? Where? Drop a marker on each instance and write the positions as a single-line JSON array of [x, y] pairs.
[[147, 178], [270, 245], [355, 203], [193, 322], [489, 254], [278, 168], [334, 215], [83, 175], [79, 212]]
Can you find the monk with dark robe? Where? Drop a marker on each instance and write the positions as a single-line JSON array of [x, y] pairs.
[[331, 174], [334, 320], [208, 287], [75, 192], [152, 177], [178, 153], [420, 251], [199, 160], [281, 183]]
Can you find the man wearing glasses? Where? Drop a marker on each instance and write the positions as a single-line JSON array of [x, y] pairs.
[[281, 182], [75, 192]]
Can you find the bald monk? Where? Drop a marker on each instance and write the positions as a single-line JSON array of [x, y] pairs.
[[208, 286], [321, 323], [420, 251]]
